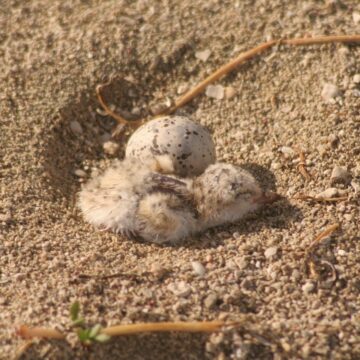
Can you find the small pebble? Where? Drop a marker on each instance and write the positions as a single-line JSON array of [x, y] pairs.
[[356, 17], [322, 149], [203, 55], [19, 276], [102, 112], [334, 140], [340, 174], [198, 268], [111, 147], [341, 252], [182, 89], [180, 289], [308, 287], [271, 252], [229, 92], [356, 186], [76, 127], [287, 151], [329, 92], [215, 92], [104, 137], [275, 166], [210, 300], [158, 270], [80, 173], [356, 78]]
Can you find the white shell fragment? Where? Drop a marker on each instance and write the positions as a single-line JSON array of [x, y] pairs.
[[198, 268], [189, 144], [203, 55], [329, 193], [215, 91], [271, 252], [330, 92], [180, 289], [356, 79], [80, 173], [111, 147], [356, 17]]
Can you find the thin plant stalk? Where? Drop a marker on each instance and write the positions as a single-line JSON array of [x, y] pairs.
[[128, 329], [226, 69], [203, 326]]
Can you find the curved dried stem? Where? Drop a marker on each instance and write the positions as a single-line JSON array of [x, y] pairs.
[[320, 199], [129, 329], [118, 118], [224, 70], [227, 68], [322, 40], [203, 326], [302, 164], [39, 332], [323, 235]]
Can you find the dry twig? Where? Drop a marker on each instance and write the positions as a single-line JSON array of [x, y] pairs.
[[120, 120], [319, 199], [315, 266], [227, 68], [129, 329], [39, 332], [247, 55], [112, 276], [323, 235], [23, 348], [205, 326]]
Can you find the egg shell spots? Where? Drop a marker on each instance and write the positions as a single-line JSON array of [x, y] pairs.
[[188, 143]]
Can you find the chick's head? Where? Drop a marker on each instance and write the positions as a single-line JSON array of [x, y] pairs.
[[225, 193]]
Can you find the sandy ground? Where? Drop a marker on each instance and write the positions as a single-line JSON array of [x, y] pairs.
[[53, 55]]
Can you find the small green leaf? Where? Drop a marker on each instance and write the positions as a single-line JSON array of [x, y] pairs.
[[83, 335], [94, 331], [78, 322], [102, 338], [74, 311]]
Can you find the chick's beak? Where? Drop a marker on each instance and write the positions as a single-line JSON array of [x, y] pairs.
[[266, 198]]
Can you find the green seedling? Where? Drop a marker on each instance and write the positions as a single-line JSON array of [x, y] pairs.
[[86, 335]]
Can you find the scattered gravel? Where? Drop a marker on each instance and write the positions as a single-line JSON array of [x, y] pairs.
[[55, 53]]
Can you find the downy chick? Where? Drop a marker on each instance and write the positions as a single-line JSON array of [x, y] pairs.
[[135, 199]]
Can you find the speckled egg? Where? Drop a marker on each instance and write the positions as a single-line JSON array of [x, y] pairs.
[[188, 143]]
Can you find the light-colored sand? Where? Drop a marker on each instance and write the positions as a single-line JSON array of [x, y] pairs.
[[54, 53]]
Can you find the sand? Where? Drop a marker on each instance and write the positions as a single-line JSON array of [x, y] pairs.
[[54, 53]]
